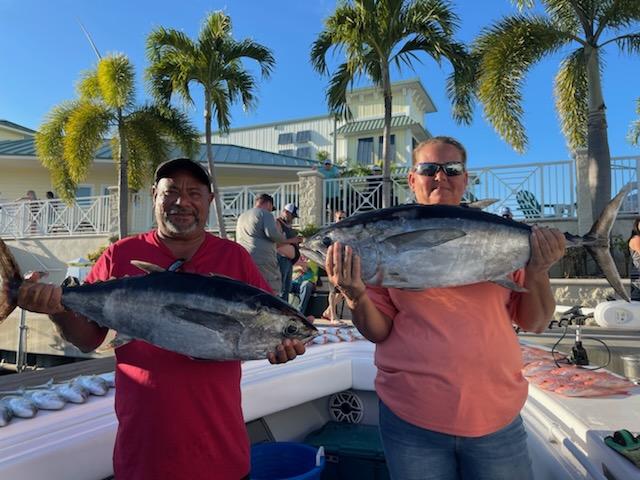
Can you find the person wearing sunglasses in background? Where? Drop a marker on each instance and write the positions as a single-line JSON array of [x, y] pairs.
[[449, 363]]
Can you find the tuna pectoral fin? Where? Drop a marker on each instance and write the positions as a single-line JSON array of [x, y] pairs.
[[202, 317], [424, 238], [10, 281], [606, 263], [506, 282], [147, 267]]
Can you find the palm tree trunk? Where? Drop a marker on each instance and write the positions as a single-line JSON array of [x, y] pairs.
[[123, 183], [214, 183], [597, 138], [386, 138]]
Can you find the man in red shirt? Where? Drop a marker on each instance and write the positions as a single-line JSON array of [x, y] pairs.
[[179, 418]]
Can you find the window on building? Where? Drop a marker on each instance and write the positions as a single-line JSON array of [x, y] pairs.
[[393, 147], [285, 138], [364, 156], [289, 151], [303, 136], [303, 152]]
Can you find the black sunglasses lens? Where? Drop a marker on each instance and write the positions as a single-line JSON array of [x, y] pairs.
[[453, 169], [430, 169]]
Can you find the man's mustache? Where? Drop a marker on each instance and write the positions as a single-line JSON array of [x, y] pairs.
[[181, 211]]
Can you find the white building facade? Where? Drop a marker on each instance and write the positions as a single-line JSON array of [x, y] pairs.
[[356, 141]]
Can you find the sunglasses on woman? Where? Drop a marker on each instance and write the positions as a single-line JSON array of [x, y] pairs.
[[428, 169]]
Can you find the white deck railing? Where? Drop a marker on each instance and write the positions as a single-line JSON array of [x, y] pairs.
[[535, 190], [550, 194], [86, 216]]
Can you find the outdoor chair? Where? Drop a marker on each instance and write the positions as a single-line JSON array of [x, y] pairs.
[[528, 204]]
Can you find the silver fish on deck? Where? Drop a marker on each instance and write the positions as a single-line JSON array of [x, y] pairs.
[[204, 317], [20, 406], [72, 392], [93, 384], [45, 399], [426, 246]]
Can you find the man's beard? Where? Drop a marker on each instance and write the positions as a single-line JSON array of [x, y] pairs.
[[179, 228]]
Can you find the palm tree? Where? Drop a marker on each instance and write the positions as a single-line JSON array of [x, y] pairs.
[[634, 133], [73, 131], [511, 46], [215, 62], [376, 34]]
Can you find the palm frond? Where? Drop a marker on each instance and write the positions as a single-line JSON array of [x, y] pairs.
[[430, 16], [253, 51], [618, 14], [572, 93], [319, 50], [462, 85], [50, 150], [88, 86], [116, 79], [563, 15], [85, 130], [629, 44], [507, 51], [216, 25], [340, 81]]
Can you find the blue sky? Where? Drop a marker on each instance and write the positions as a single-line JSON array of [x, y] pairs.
[[44, 50]]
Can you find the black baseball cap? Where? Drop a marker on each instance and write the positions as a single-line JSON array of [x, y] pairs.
[[166, 169]]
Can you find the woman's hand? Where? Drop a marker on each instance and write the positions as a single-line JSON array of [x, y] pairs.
[[344, 272]]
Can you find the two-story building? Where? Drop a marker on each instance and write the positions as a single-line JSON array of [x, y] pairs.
[[358, 140]]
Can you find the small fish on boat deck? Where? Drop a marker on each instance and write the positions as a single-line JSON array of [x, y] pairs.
[[203, 317], [427, 246]]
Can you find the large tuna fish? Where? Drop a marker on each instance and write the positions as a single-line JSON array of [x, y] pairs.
[[425, 246], [205, 317]]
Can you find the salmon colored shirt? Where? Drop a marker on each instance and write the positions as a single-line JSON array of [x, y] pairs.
[[452, 362]]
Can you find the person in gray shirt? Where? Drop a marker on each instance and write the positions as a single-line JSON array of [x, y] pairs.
[[258, 233]]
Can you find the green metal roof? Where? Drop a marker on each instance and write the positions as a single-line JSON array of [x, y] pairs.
[[15, 126], [223, 154], [375, 124]]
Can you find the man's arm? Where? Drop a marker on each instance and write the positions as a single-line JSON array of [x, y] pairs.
[[74, 328], [345, 274], [536, 307]]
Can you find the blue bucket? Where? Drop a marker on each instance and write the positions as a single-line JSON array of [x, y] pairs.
[[286, 461]]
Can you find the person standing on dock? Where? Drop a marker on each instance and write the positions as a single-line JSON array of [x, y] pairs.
[[449, 363]]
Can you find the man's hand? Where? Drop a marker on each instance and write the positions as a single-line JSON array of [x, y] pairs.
[[547, 247], [40, 297], [287, 350], [345, 273]]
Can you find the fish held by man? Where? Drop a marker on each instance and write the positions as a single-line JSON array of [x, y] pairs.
[[428, 246], [203, 317]]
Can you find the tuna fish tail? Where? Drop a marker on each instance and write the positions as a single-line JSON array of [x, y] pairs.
[[596, 242], [10, 281]]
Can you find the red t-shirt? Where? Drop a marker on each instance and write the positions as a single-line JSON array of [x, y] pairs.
[[178, 418]]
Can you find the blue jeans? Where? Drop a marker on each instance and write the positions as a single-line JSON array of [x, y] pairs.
[[414, 453], [303, 291], [286, 270]]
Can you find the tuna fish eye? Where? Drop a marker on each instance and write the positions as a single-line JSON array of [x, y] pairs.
[[326, 241], [291, 329]]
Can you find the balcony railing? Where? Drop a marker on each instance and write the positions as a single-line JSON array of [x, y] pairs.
[[54, 218], [532, 191]]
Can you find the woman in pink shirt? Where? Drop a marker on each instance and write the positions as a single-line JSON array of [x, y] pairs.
[[449, 364]]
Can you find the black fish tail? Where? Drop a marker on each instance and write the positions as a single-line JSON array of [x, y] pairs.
[[596, 242], [10, 281]]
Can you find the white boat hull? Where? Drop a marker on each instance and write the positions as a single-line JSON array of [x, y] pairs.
[[565, 434]]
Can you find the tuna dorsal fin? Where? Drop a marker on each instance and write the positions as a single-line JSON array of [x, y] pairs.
[[117, 341], [506, 282], [426, 238], [147, 267]]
